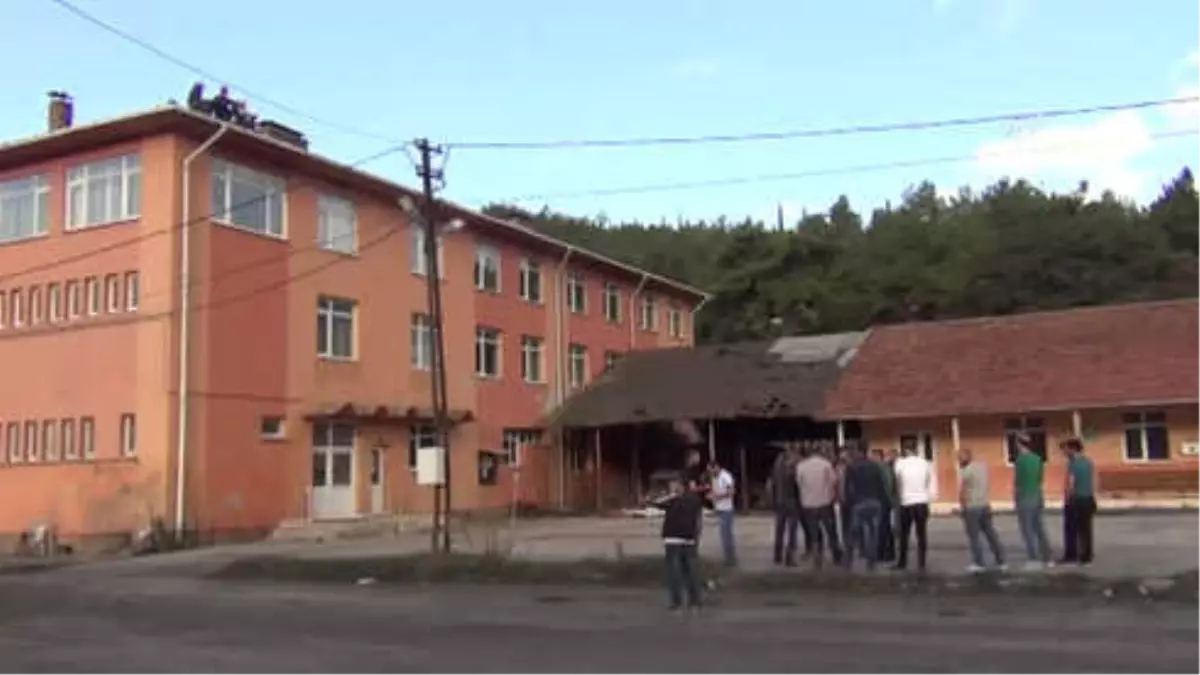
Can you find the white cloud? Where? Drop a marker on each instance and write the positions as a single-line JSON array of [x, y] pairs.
[[1186, 116], [1103, 152], [942, 5], [696, 68], [1003, 16]]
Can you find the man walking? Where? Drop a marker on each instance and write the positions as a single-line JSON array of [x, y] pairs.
[[1079, 507], [975, 503], [864, 493], [818, 488], [1029, 501], [722, 493], [785, 500], [680, 520], [914, 486]]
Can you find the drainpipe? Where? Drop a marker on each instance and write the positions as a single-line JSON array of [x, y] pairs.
[[185, 300], [635, 318], [695, 311], [560, 286]]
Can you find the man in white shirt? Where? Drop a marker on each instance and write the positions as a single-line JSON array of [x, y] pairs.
[[723, 490], [914, 488]]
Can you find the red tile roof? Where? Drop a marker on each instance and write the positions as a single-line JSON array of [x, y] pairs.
[[1113, 356]]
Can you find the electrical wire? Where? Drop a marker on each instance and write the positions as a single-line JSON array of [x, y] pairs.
[[1029, 115], [170, 58], [773, 177]]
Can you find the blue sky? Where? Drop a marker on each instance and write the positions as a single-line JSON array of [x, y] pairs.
[[471, 70]]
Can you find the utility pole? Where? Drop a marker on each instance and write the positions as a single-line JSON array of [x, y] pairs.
[[431, 218]]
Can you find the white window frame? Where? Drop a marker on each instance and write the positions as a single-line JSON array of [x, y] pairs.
[[3, 309], [87, 437], [419, 263], [273, 192], [32, 448], [337, 224], [112, 293], [66, 438], [533, 352], [516, 442], [577, 293], [487, 258], [421, 342], [1142, 425], [50, 446], [420, 436], [1025, 427], [330, 310], [74, 299], [82, 180], [649, 313], [12, 436], [34, 299], [530, 269], [485, 338], [16, 306], [35, 189], [612, 303], [54, 302], [133, 291], [578, 370], [128, 435], [91, 294], [279, 432], [675, 322]]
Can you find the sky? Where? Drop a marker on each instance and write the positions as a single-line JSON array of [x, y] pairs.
[[375, 73]]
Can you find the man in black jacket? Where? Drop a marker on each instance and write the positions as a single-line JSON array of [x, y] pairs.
[[679, 531], [864, 492], [785, 500]]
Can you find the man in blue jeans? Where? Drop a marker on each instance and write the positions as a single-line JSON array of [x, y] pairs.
[[973, 499], [864, 492], [721, 493], [1029, 500]]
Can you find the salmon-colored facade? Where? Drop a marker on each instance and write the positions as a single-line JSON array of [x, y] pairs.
[[306, 344]]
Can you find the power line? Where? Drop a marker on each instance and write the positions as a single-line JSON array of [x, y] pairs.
[[1051, 113], [166, 56], [772, 177]]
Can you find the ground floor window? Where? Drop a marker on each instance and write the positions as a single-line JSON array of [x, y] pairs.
[[1033, 428], [515, 443], [333, 454], [420, 436], [1146, 438]]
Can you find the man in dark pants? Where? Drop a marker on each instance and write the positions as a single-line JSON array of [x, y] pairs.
[[914, 487], [818, 489], [886, 550], [696, 479], [864, 492], [785, 500], [1079, 505], [679, 530]]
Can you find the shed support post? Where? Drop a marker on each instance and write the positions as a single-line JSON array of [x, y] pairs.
[[1077, 423], [841, 434], [599, 469], [955, 435]]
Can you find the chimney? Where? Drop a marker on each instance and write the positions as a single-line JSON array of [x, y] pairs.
[[62, 111]]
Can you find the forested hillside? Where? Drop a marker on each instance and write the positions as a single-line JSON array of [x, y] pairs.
[[1011, 248]]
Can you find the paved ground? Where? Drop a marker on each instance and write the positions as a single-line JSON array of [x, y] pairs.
[[85, 620]]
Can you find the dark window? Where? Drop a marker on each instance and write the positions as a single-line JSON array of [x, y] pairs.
[[1146, 438], [1034, 428]]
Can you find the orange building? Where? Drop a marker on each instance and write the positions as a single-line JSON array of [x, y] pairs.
[[166, 252]]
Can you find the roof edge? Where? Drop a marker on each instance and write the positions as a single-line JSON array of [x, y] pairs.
[[1082, 407], [1042, 312]]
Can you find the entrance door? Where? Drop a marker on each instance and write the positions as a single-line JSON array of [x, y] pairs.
[[923, 440], [377, 474], [333, 471]]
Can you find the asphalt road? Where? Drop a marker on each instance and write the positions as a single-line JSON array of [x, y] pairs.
[[65, 622]]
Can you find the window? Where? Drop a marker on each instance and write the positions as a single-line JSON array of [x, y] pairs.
[[579, 366], [112, 293], [128, 435], [13, 436], [91, 289], [612, 303], [576, 294], [531, 281], [420, 261], [132, 291], [247, 199], [335, 328], [3, 309], [1033, 427], [35, 305], [104, 192], [87, 437], [487, 269], [74, 302], [531, 359], [649, 313], [17, 306], [54, 300], [337, 225], [24, 208], [67, 438], [1146, 437], [487, 352], [49, 440], [675, 322], [333, 454], [516, 441], [422, 342], [271, 427], [420, 436], [611, 359], [31, 442]]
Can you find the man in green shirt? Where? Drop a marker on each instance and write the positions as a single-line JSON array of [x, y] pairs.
[[1079, 504], [1029, 500]]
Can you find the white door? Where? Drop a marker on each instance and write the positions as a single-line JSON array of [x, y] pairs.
[[333, 493], [377, 474], [923, 440]]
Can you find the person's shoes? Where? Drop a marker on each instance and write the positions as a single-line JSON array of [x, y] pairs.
[[976, 569]]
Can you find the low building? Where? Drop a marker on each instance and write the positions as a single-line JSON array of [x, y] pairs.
[[1123, 378]]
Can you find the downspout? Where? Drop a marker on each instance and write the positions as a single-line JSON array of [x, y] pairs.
[[635, 318], [185, 300], [695, 311], [560, 286]]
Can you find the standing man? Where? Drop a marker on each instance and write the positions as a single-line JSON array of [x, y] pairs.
[[975, 504], [886, 550], [818, 490], [681, 516], [864, 494], [914, 486], [722, 492], [1079, 506], [785, 499], [695, 479], [1029, 501]]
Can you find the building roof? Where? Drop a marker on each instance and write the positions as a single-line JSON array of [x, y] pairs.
[[173, 118], [781, 378], [1114, 356]]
